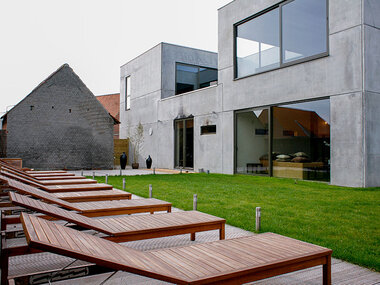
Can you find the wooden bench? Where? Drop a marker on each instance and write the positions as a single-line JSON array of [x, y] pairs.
[[233, 261]]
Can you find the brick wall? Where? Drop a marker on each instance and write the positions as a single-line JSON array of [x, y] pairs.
[[61, 125]]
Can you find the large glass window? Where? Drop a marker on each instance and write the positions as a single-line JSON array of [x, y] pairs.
[[252, 143], [298, 136], [257, 44], [292, 31], [301, 140], [128, 93], [304, 32], [191, 77]]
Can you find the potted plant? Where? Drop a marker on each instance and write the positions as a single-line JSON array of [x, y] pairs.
[[137, 139]]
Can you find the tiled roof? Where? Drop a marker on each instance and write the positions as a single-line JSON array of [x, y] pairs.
[[112, 104]]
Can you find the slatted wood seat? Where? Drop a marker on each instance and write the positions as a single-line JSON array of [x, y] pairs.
[[38, 175], [47, 182], [93, 209], [66, 177], [45, 172], [31, 174], [127, 228], [233, 261], [58, 188], [87, 196]]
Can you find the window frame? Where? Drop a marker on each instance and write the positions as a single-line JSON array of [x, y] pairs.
[[282, 64], [192, 65], [127, 107]]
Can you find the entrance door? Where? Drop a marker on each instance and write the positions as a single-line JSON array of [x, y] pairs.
[[184, 143]]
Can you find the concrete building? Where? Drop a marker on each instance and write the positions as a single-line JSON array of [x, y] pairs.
[[60, 124], [297, 94]]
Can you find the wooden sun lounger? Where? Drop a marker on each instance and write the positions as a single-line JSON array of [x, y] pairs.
[[88, 196], [32, 173], [233, 261], [93, 209], [58, 188], [119, 229], [47, 182], [127, 228], [39, 175]]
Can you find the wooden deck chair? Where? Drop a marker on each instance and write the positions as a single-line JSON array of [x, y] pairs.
[[233, 261], [58, 188], [50, 181], [93, 209], [88, 196], [117, 229], [127, 228], [41, 173]]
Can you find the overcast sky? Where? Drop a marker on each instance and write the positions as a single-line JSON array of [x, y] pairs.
[[94, 37]]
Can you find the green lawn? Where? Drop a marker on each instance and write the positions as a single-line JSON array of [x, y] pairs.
[[346, 220]]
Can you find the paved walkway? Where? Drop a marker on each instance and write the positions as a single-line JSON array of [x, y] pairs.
[[128, 171]]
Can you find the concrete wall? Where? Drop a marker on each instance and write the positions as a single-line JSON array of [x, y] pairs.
[[171, 54], [371, 44], [354, 56], [154, 105], [66, 127]]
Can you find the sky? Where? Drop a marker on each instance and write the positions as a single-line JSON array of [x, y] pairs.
[[94, 37]]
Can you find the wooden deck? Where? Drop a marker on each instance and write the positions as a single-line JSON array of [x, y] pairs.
[[231, 261]]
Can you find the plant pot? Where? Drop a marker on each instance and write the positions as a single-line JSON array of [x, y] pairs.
[[135, 165], [149, 162], [123, 160]]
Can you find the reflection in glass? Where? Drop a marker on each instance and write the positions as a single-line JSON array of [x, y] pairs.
[[191, 77], [301, 140], [184, 143], [127, 93], [303, 29], [252, 142], [257, 44]]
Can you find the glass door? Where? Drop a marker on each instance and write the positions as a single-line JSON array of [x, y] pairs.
[[184, 143], [252, 142]]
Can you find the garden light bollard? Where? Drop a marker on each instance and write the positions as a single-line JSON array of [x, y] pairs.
[[195, 202], [123, 183], [81, 172], [258, 218], [121, 172], [154, 170], [180, 170], [106, 178], [150, 191], [93, 175]]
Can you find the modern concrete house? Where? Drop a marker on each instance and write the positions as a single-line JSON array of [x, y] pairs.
[[60, 124], [297, 94]]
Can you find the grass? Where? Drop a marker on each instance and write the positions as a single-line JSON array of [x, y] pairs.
[[346, 220]]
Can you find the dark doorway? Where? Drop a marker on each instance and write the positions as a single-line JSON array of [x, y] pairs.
[[184, 143]]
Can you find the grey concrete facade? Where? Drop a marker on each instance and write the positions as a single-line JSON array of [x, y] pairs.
[[348, 75], [61, 124]]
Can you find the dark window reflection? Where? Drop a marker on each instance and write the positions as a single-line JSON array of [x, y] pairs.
[[191, 77], [301, 140]]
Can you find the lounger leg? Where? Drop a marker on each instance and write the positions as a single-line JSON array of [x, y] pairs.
[[4, 261], [192, 236], [222, 232], [327, 271]]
